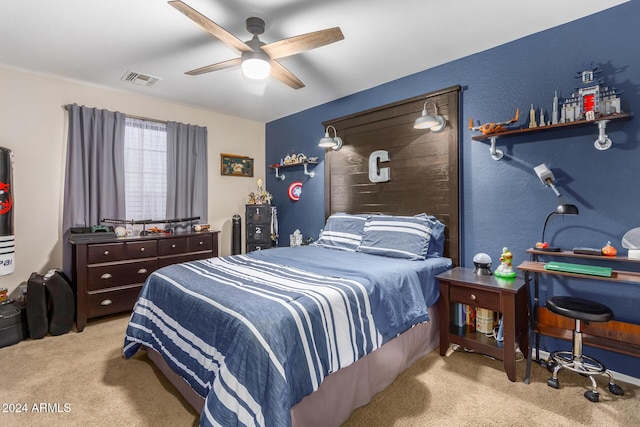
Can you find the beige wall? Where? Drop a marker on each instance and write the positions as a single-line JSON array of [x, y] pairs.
[[33, 126]]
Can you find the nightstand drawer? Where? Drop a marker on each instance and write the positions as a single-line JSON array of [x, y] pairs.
[[475, 297]]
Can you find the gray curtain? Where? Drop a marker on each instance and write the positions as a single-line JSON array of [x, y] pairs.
[[94, 179], [186, 171]]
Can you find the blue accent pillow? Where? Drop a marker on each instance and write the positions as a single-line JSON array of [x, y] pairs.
[[405, 237], [342, 231], [436, 242]]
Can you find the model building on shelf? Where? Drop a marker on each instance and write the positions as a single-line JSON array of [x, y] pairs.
[[592, 99]]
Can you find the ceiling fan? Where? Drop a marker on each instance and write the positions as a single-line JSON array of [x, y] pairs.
[[259, 60]]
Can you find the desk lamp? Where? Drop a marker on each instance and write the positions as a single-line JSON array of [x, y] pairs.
[[563, 209]]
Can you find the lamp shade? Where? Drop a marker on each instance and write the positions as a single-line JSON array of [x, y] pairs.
[[562, 209], [255, 65], [334, 143], [434, 123]]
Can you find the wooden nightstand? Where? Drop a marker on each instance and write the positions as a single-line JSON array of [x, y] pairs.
[[508, 297]]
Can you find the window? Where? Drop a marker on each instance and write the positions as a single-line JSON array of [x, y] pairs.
[[145, 169]]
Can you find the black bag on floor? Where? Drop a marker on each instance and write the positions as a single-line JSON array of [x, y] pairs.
[[61, 303], [50, 304], [12, 329], [36, 306]]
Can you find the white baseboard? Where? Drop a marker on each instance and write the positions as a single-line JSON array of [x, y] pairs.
[[618, 376]]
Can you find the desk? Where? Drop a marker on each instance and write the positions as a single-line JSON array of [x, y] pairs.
[[615, 336], [506, 296]]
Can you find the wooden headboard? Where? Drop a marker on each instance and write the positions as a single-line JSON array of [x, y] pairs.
[[423, 164]]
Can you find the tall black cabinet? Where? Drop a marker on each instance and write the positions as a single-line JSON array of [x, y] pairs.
[[258, 219]]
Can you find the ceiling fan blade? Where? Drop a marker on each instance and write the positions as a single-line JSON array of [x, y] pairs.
[[285, 76], [214, 67], [211, 27], [302, 43]]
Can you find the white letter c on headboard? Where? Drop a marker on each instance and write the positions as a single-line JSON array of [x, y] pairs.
[[382, 174]]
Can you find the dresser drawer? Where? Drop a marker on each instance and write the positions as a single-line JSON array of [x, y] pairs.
[[258, 233], [475, 297], [113, 301], [200, 243], [258, 246], [163, 262], [258, 213], [105, 252], [172, 246], [141, 249], [109, 276]]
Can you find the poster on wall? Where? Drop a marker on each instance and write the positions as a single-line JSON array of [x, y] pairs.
[[235, 165]]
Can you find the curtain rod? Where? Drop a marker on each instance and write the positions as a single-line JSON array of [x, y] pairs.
[[146, 119], [131, 116]]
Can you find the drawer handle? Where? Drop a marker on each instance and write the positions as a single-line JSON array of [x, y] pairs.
[[173, 246], [106, 253], [201, 242], [473, 297], [142, 271], [106, 276], [106, 302], [141, 249]]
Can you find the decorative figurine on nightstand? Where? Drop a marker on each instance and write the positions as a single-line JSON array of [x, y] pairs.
[[505, 269]]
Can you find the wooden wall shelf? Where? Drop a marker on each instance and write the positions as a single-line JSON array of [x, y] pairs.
[[279, 176], [602, 142], [539, 129]]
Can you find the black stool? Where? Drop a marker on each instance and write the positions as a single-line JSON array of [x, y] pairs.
[[581, 310]]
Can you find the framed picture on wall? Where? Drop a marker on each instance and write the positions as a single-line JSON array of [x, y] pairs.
[[234, 165]]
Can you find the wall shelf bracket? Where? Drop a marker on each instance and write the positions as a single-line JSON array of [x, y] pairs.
[[603, 142], [306, 172], [495, 153], [279, 176]]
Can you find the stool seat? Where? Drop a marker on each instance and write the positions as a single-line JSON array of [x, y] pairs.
[[579, 308]]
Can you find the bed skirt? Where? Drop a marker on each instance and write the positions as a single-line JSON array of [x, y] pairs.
[[349, 388]]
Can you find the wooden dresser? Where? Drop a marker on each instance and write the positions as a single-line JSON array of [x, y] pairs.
[[108, 273]]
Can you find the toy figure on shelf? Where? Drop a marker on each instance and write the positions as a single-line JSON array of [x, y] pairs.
[[505, 269], [490, 128], [261, 196]]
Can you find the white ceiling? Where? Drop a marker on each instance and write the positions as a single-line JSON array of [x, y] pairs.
[[97, 41]]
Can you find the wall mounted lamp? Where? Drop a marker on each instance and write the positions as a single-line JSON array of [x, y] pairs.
[[334, 143], [563, 209], [255, 65], [434, 123]]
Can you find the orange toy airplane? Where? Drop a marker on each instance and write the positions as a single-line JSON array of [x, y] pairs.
[[489, 128]]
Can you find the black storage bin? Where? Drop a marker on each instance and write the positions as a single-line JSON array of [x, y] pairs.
[[12, 325]]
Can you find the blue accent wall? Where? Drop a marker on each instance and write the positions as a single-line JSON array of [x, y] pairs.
[[503, 202]]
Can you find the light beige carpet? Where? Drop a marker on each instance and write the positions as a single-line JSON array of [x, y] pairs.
[[82, 379]]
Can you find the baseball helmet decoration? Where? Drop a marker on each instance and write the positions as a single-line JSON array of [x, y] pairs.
[[295, 190]]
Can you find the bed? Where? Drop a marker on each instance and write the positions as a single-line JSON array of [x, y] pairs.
[[302, 336]]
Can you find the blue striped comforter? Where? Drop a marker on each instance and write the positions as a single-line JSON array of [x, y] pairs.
[[255, 333]]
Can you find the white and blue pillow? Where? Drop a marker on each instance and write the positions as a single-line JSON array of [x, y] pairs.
[[342, 231], [405, 237]]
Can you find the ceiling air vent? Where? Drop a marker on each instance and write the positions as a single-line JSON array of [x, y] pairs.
[[139, 78]]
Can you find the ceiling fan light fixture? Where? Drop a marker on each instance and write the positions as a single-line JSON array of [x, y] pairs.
[[255, 65]]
